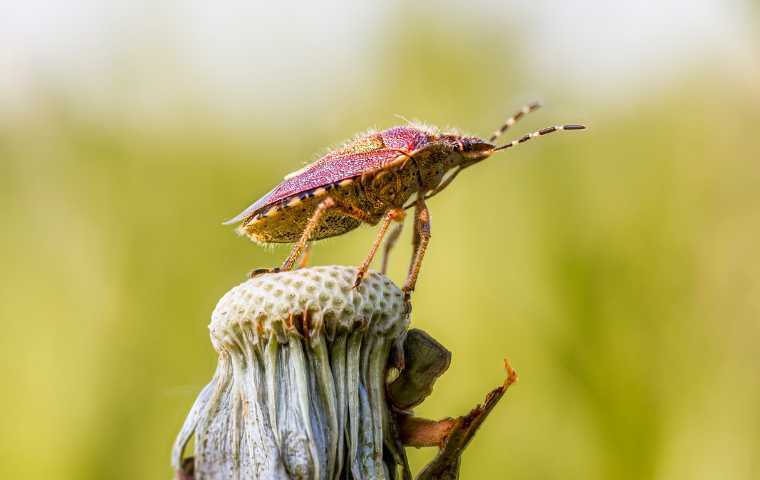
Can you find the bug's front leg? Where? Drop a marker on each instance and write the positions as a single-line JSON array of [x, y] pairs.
[[421, 240], [395, 214]]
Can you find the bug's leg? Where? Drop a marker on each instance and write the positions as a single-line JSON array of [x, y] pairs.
[[390, 242], [311, 225], [395, 214], [415, 236], [513, 119], [261, 271], [302, 263], [421, 240], [305, 256], [326, 204]]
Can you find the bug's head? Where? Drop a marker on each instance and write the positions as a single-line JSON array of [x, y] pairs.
[[465, 151], [474, 149]]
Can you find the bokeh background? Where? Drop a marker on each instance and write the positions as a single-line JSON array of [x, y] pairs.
[[618, 268]]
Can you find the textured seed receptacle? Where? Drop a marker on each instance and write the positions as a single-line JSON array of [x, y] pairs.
[[299, 390]]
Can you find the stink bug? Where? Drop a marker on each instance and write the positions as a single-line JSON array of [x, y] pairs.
[[369, 180]]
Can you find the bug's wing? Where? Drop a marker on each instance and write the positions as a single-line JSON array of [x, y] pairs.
[[362, 155], [250, 210], [329, 169]]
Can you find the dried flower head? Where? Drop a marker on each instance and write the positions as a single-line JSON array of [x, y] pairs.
[[299, 390]]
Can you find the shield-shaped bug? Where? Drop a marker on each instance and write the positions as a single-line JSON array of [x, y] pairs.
[[371, 179]]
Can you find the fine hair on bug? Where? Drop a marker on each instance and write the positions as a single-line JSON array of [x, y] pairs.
[[371, 179]]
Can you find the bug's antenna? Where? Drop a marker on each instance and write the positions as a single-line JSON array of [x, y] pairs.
[[513, 119], [538, 133]]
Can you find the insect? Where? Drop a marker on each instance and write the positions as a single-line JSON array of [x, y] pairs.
[[371, 179]]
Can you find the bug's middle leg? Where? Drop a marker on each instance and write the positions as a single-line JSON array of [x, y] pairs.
[[395, 214]]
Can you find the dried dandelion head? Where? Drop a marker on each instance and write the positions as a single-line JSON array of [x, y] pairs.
[[299, 390]]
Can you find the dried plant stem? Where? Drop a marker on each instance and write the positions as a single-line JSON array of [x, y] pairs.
[[460, 432]]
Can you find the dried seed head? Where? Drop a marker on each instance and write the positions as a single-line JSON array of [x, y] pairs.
[[299, 391], [311, 302]]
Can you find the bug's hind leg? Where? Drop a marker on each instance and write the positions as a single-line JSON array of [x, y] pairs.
[[397, 215], [420, 243], [311, 225]]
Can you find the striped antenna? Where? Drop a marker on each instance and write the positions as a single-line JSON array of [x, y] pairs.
[[538, 133], [513, 119]]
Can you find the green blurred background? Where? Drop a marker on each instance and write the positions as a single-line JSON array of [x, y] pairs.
[[618, 268]]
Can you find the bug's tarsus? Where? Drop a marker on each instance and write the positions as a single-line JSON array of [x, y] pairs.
[[513, 119], [538, 133], [263, 271]]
